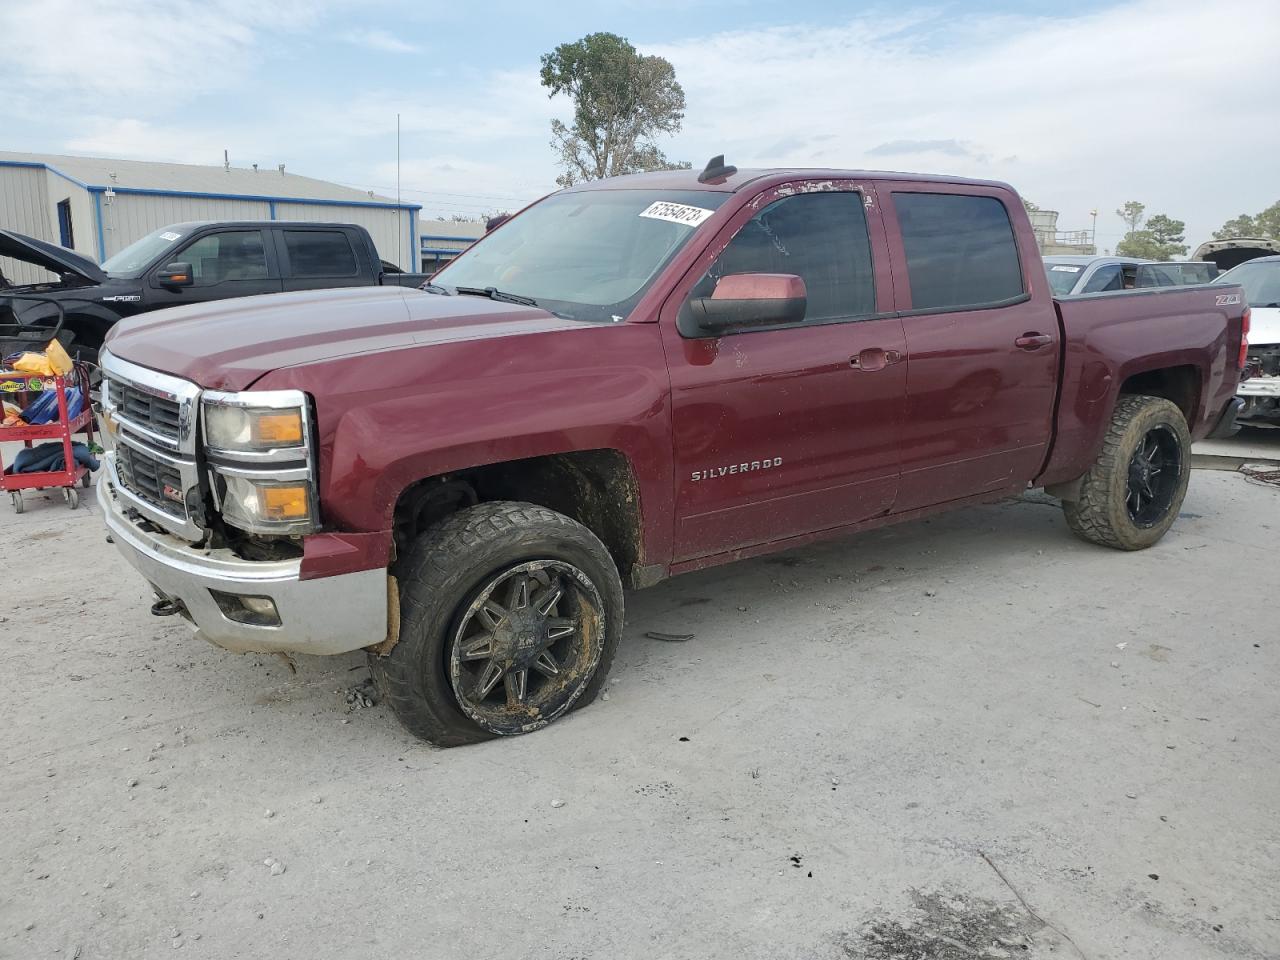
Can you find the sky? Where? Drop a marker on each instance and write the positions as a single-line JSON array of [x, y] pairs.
[[1081, 107]]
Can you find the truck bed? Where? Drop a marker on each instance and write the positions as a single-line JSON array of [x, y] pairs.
[[1192, 334]]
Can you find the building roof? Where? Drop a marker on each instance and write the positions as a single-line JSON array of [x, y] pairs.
[[193, 178]]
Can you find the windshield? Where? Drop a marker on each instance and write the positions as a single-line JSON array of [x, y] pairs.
[[1260, 279], [133, 259], [1062, 276], [588, 255]]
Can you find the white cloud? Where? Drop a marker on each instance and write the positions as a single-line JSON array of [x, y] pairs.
[[381, 40], [1134, 102], [137, 48], [1164, 101]]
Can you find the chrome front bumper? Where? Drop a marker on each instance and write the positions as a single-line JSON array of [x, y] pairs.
[[323, 616]]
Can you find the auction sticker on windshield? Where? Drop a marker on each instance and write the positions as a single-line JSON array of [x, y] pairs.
[[676, 213], [1061, 268]]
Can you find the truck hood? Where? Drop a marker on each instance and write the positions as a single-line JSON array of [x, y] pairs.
[[230, 344], [53, 258]]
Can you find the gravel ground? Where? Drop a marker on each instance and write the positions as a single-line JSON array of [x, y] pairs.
[[970, 737]]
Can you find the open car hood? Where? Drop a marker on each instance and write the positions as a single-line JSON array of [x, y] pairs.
[[53, 258], [1233, 251]]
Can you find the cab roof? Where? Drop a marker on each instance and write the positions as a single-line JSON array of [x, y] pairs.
[[763, 178]]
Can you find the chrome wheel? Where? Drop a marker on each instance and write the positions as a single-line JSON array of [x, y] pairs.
[[526, 645], [1154, 471]]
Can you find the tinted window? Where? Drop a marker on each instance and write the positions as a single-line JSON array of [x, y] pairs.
[[319, 253], [821, 238], [1105, 278], [960, 250], [218, 257], [1062, 277]]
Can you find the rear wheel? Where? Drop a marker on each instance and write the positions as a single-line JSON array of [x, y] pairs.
[[510, 616], [1134, 490]]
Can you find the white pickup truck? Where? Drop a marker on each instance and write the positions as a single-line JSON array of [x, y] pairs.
[[1261, 390]]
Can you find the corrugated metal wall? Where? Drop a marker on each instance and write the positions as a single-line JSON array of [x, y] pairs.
[[379, 221], [131, 215], [84, 228], [25, 208]]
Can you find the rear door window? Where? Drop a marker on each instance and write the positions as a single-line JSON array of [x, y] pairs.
[[1105, 278], [319, 253], [960, 250]]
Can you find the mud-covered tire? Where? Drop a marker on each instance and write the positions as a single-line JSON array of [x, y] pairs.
[[439, 580], [1102, 512]]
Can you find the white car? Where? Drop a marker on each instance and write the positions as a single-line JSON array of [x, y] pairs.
[[1261, 281]]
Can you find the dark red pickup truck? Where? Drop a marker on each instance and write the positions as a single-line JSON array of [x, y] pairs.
[[632, 379]]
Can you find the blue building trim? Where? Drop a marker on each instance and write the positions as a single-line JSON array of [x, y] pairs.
[[430, 236], [263, 198], [271, 208], [413, 232], [97, 217], [44, 166]]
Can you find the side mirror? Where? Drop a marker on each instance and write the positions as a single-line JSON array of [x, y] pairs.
[[751, 300], [175, 275]]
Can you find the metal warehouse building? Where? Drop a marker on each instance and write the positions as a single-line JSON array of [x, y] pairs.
[[97, 207]]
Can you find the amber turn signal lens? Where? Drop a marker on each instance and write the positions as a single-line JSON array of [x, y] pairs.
[[283, 428], [284, 503]]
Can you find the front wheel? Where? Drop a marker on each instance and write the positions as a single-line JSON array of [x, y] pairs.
[[1134, 490], [510, 616]]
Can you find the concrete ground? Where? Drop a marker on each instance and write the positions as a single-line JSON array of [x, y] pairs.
[[970, 737], [1253, 444]]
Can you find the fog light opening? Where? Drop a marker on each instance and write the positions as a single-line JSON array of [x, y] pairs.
[[254, 611]]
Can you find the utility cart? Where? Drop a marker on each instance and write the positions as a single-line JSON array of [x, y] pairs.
[[23, 388]]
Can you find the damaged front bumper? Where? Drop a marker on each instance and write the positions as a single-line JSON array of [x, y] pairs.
[[327, 615]]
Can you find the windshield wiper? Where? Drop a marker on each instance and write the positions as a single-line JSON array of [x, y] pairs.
[[493, 293], [435, 288]]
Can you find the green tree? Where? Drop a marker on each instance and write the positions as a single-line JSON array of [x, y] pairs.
[[1132, 213], [1161, 239], [622, 100], [1265, 224]]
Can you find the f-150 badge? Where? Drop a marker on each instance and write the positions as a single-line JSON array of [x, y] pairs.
[[714, 473]]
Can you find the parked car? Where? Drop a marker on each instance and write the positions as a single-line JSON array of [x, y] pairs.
[[1260, 391], [1073, 275], [192, 263], [633, 378], [1069, 275]]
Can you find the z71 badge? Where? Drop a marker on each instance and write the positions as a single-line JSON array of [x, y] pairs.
[[1228, 299]]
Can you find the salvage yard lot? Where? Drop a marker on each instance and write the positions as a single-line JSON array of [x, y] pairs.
[[856, 737]]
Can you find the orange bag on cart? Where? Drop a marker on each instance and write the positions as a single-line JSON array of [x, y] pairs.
[[52, 362]]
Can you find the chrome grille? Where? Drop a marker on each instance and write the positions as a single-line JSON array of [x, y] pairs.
[[149, 478], [161, 415], [150, 420]]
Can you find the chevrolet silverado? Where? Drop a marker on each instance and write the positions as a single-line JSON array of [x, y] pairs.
[[631, 379]]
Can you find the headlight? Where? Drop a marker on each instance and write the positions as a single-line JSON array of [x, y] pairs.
[[249, 423], [267, 505], [262, 459]]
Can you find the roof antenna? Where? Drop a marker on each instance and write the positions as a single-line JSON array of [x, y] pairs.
[[226, 160], [716, 171]]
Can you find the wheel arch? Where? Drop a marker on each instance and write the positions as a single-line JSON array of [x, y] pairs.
[[597, 488], [1180, 384]]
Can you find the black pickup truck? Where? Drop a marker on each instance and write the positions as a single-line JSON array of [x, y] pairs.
[[189, 263]]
